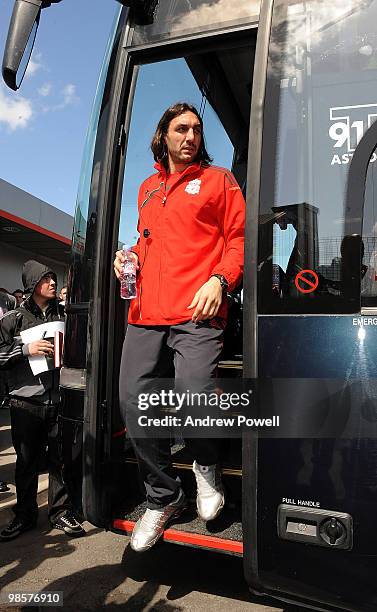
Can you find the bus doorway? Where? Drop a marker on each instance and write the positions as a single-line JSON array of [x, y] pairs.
[[214, 71], [218, 80]]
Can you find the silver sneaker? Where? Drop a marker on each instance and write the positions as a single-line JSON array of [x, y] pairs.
[[210, 495], [151, 526]]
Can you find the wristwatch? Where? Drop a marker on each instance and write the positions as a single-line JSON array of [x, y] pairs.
[[223, 282]]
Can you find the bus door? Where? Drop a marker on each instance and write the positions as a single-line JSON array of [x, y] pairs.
[[208, 62], [310, 532]]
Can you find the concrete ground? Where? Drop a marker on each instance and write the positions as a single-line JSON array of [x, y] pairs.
[[100, 571]]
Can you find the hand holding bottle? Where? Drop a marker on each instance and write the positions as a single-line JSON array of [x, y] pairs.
[[119, 261], [127, 275]]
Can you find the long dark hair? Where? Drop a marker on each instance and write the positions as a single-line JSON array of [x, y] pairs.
[[158, 144]]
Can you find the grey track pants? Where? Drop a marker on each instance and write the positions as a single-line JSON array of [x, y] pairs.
[[186, 351]]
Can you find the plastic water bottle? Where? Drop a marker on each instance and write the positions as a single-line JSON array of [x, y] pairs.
[[128, 276]]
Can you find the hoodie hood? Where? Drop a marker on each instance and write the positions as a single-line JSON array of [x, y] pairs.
[[32, 273]]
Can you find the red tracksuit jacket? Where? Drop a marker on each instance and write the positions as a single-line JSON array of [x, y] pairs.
[[196, 229]]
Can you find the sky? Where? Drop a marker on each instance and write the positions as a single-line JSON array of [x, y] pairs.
[[43, 126]]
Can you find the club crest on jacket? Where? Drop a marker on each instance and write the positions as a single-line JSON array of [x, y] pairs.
[[193, 187]]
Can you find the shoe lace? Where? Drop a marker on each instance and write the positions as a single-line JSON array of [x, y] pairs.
[[153, 519], [14, 523], [70, 519]]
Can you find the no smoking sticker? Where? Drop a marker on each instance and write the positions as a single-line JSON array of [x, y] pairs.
[[306, 281]]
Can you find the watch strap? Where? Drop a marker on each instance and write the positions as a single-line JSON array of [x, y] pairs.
[[223, 282]]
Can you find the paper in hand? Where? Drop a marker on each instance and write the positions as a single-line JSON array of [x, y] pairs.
[[45, 331]]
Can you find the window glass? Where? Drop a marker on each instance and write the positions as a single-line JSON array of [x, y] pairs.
[[180, 17], [369, 249], [83, 195], [320, 100], [219, 85]]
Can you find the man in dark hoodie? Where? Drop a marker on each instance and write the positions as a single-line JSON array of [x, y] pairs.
[[34, 402]]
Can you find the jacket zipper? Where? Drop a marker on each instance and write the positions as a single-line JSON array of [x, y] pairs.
[[150, 194]]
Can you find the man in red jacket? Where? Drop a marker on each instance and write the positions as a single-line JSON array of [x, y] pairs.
[[189, 254]]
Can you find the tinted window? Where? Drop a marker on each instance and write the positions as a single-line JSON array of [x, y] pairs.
[[369, 268], [180, 17], [88, 175], [320, 99]]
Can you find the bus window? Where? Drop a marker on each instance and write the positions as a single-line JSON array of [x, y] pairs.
[[173, 18], [319, 103], [85, 216], [87, 172], [369, 249]]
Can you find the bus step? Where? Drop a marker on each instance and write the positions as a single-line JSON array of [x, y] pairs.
[[223, 534]]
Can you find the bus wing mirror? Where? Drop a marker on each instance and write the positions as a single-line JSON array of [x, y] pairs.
[[20, 40]]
